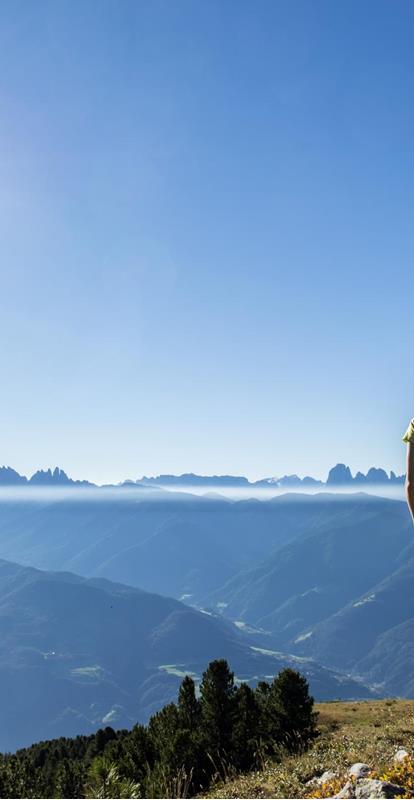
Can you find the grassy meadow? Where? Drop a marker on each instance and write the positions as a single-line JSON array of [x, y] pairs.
[[369, 731]]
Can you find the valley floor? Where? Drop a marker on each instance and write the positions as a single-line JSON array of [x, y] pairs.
[[369, 732]]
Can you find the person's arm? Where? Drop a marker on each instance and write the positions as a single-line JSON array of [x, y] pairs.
[[409, 480]]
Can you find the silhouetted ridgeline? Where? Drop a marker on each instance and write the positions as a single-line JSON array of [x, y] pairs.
[[57, 477], [227, 728], [338, 476]]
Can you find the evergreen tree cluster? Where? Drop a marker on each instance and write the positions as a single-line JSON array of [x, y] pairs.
[[219, 731]]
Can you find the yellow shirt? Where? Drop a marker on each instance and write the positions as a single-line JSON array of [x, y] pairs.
[[409, 434]]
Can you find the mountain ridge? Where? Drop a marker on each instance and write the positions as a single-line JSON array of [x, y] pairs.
[[78, 653], [338, 476]]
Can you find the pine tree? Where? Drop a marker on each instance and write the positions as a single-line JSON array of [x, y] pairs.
[[134, 754], [217, 696], [245, 735], [189, 709], [177, 765], [69, 779], [163, 728], [292, 706], [269, 719], [104, 781]]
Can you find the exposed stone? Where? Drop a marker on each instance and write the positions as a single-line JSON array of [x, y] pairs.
[[339, 475], [326, 776], [375, 475], [359, 770], [347, 791], [401, 754], [368, 787]]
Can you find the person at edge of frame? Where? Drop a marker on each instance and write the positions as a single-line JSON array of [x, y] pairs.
[[409, 479]]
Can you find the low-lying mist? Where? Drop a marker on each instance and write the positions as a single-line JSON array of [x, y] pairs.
[[139, 493]]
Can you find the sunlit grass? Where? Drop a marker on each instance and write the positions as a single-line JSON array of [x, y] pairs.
[[369, 731]]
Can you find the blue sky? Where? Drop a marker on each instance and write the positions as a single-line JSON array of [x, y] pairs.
[[206, 235]]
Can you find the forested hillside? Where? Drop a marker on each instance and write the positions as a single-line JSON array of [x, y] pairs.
[[203, 737]]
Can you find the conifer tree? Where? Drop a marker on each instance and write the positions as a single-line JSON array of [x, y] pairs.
[[292, 706], [189, 709], [269, 720], [69, 779], [245, 734], [104, 781], [217, 696]]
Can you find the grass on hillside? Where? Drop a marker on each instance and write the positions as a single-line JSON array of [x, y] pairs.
[[369, 731]]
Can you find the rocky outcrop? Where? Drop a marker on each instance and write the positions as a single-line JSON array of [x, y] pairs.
[[370, 787], [359, 770], [361, 781], [56, 478], [339, 476], [401, 755], [9, 477]]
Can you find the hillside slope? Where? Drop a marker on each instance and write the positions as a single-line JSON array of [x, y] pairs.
[[333, 561], [368, 732], [76, 654], [169, 543], [176, 545], [373, 635]]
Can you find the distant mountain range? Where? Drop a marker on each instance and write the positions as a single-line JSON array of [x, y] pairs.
[[334, 560], [340, 592], [56, 477], [338, 476], [168, 542], [78, 654]]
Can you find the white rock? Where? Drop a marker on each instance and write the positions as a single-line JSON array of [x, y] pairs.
[[368, 787], [312, 782], [359, 770], [401, 754], [347, 791], [326, 776]]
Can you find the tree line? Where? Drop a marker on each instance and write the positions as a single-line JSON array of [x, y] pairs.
[[220, 730]]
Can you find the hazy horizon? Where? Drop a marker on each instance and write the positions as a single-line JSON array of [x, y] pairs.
[[161, 493], [119, 480]]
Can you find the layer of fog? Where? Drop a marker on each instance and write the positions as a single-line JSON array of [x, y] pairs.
[[131, 493]]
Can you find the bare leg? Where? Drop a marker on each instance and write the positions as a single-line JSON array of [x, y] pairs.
[[409, 481]]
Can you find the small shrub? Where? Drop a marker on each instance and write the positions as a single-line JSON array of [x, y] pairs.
[[402, 774], [329, 788]]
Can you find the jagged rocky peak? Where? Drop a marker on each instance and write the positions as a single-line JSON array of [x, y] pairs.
[[340, 475], [360, 478], [374, 475], [9, 477], [377, 475], [47, 477]]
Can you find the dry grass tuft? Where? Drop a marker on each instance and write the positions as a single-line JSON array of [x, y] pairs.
[[369, 731]]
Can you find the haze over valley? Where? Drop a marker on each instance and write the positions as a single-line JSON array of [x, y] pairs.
[[109, 596]]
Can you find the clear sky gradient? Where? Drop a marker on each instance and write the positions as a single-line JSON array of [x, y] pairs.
[[206, 235]]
